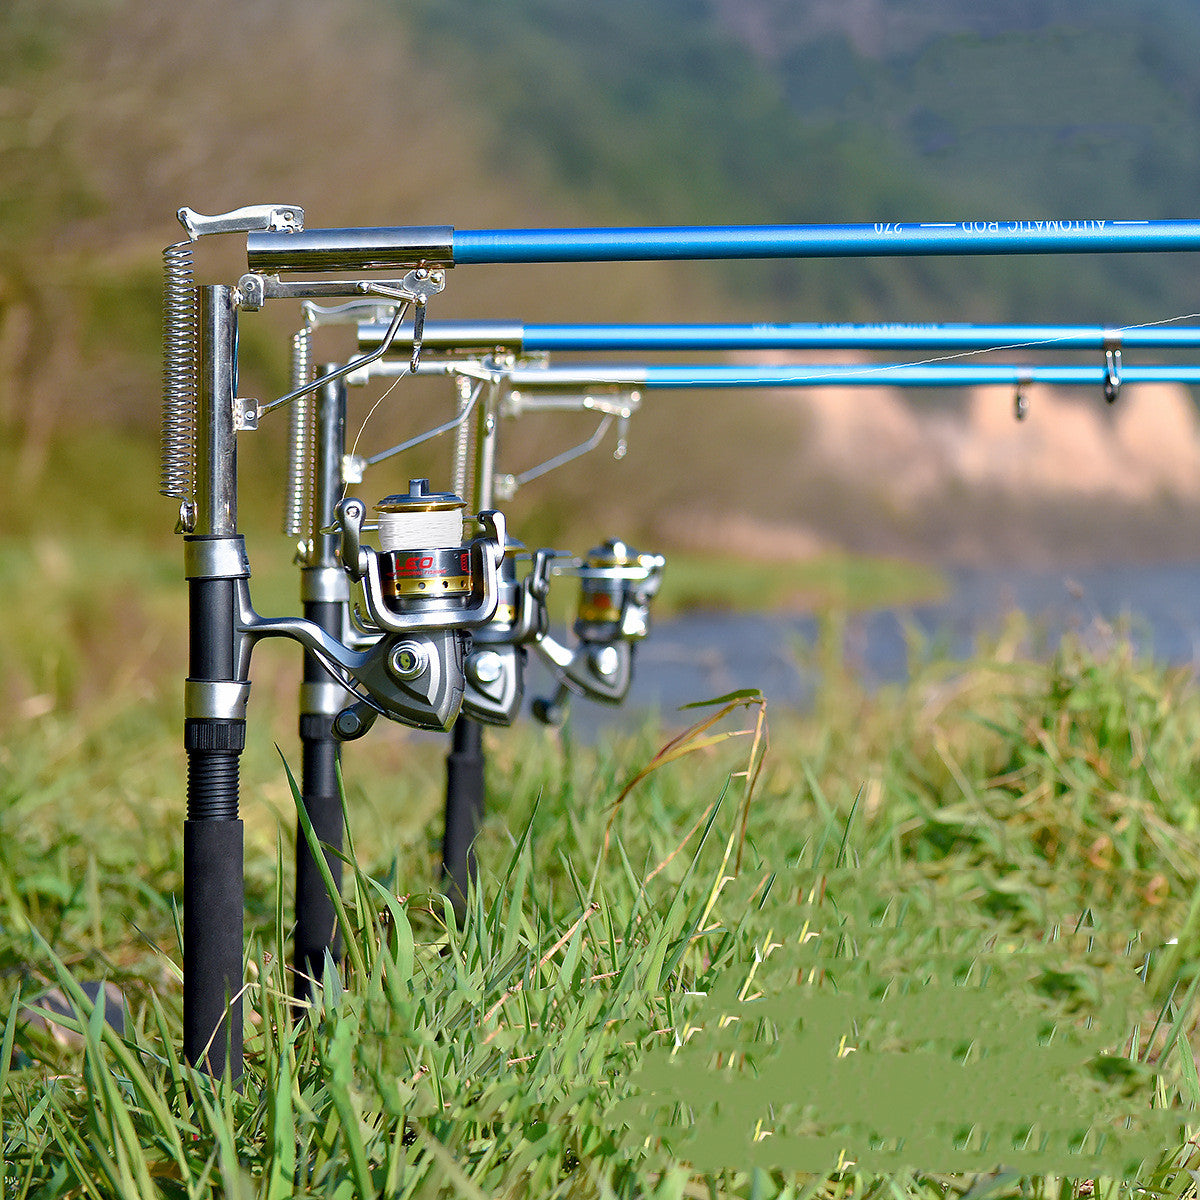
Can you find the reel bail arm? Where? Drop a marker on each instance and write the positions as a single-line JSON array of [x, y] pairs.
[[495, 666]]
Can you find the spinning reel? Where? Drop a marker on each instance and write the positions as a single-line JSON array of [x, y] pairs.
[[616, 586], [617, 583], [495, 667], [421, 592]]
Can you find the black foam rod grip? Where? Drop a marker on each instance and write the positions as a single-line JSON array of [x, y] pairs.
[[213, 904], [464, 809], [316, 921]]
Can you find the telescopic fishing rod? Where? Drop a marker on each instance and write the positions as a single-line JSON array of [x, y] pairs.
[[414, 672], [284, 250], [521, 338], [615, 579]]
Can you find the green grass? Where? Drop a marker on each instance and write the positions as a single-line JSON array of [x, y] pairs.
[[1000, 801], [990, 808]]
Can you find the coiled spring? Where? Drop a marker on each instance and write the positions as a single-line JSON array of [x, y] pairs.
[[297, 499], [178, 447], [462, 438]]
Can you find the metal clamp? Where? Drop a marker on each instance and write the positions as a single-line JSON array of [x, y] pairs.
[[254, 290], [215, 558]]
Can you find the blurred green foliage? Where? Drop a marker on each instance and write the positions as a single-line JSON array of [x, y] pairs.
[[661, 114]]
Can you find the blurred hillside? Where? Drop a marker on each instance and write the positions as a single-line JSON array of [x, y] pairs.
[[524, 112]]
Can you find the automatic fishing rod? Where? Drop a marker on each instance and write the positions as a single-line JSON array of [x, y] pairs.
[[494, 667], [599, 665], [423, 615]]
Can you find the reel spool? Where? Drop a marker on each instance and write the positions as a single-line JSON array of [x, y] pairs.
[[423, 565], [509, 605], [608, 575], [424, 590]]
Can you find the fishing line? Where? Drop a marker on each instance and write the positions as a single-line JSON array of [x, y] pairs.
[[883, 368], [371, 413]]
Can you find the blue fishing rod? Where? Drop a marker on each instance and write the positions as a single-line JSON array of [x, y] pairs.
[[383, 248], [467, 337], [660, 376]]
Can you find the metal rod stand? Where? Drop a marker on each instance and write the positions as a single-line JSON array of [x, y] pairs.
[[325, 596], [214, 718]]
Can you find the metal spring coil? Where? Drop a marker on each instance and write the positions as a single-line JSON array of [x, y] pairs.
[[297, 497], [178, 447], [462, 440]]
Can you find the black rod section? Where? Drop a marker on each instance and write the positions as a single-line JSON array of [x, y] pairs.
[[316, 920], [213, 854], [464, 810]]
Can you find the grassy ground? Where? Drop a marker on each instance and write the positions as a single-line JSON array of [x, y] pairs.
[[991, 810], [639, 1003]]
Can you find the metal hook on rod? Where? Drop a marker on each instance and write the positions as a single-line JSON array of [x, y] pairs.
[[1021, 400], [1112, 369]]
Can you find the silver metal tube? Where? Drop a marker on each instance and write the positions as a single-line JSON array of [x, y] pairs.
[[216, 441], [466, 336], [327, 481], [485, 449], [351, 249]]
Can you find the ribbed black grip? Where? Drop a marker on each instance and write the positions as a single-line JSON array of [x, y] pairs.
[[213, 900], [207, 733], [212, 785]]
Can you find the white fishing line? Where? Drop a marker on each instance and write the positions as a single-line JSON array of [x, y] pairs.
[[371, 413], [420, 530]]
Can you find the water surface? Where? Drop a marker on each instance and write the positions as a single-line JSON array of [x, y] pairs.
[[699, 655]]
